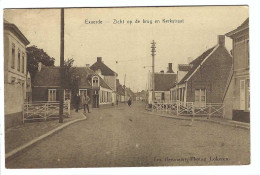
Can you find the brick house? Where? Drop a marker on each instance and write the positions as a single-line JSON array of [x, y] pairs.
[[120, 92], [163, 82], [141, 96], [107, 74], [47, 82], [237, 94], [203, 80], [129, 93], [15, 73]]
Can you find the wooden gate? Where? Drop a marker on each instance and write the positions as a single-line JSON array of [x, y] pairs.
[[44, 110]]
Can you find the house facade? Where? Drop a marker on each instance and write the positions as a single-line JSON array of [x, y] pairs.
[[15, 73], [120, 92], [47, 82], [237, 95], [163, 82], [204, 79], [141, 96], [107, 74]]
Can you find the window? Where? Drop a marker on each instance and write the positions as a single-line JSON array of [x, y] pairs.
[[23, 63], [82, 92], [52, 95], [19, 60], [13, 56], [200, 97], [95, 82]]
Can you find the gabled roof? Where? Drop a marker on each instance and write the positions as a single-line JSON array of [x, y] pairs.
[[142, 93], [105, 70], [13, 28], [119, 88], [243, 26], [196, 62], [50, 77], [164, 81], [130, 92]]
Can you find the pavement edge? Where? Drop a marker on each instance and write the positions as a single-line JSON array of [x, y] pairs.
[[202, 120], [23, 148]]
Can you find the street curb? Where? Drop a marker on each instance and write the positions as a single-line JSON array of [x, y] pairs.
[[19, 150], [202, 120]]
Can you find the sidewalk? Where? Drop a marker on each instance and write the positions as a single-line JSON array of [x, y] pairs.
[[221, 121], [21, 136]]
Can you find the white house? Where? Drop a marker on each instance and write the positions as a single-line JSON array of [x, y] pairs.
[[15, 73]]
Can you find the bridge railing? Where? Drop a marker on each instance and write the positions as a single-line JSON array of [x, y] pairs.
[[189, 108]]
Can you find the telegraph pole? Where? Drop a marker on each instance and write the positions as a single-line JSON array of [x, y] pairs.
[[61, 66], [153, 54], [124, 87]]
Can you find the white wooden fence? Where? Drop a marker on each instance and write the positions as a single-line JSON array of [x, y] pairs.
[[188, 108], [42, 110]]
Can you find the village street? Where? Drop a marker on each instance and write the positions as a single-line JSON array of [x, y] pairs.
[[124, 136]]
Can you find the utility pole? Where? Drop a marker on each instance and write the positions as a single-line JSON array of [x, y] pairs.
[[153, 54], [124, 87], [61, 65]]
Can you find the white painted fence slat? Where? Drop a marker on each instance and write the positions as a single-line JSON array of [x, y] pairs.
[[44, 110], [188, 108]]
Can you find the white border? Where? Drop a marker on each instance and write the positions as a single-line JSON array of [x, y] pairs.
[[254, 58]]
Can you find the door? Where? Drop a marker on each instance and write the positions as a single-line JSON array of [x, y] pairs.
[[242, 95], [163, 96], [200, 98]]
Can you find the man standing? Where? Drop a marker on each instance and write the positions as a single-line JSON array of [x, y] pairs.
[[85, 101], [77, 101]]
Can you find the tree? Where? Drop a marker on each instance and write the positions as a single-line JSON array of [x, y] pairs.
[[70, 78], [36, 55], [68, 75]]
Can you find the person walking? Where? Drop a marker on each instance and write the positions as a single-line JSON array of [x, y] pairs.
[[77, 101], [129, 101], [85, 101]]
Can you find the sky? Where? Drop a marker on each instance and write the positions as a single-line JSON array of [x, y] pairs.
[[125, 48]]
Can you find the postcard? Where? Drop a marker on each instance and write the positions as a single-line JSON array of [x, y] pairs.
[[126, 87]]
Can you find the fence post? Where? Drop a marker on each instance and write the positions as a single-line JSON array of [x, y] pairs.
[[193, 114], [45, 109], [209, 111], [223, 109], [69, 107], [177, 105]]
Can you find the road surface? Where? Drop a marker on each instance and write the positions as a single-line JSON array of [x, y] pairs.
[[124, 136]]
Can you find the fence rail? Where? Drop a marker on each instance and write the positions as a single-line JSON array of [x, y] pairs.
[[44, 110], [188, 108]]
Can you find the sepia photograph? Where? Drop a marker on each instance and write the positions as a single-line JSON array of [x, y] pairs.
[[93, 87]]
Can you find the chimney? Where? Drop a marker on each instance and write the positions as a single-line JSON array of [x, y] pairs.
[[170, 68], [87, 65], [221, 40], [99, 59], [39, 66], [162, 71]]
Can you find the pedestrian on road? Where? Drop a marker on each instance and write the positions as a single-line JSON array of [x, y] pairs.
[[77, 101], [85, 101], [129, 101]]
